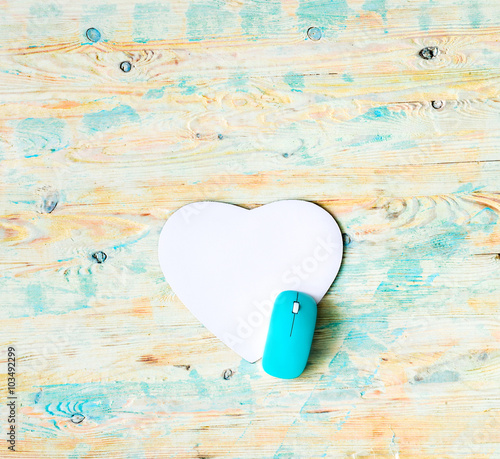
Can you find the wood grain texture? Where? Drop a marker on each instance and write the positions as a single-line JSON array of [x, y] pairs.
[[231, 101]]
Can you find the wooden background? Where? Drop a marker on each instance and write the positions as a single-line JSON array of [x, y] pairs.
[[231, 101]]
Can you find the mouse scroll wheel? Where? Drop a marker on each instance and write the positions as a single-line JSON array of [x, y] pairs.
[[296, 307]]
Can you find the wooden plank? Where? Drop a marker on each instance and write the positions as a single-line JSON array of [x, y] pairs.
[[231, 101]]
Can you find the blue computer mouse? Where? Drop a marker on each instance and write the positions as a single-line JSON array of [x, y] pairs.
[[290, 334]]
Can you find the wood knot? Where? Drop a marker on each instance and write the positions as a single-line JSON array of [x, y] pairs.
[[148, 359], [93, 35], [314, 33], [49, 198], [227, 374], [99, 257], [49, 202], [125, 66], [77, 418], [437, 104], [186, 367], [395, 208], [428, 53]]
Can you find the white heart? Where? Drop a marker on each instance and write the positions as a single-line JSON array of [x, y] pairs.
[[227, 264]]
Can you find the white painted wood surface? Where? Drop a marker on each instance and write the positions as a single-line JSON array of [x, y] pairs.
[[230, 101]]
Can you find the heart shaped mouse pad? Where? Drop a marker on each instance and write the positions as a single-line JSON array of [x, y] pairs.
[[227, 264]]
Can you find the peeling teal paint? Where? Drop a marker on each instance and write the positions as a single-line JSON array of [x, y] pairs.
[[151, 21], [261, 19], [468, 188], [339, 363], [295, 81], [41, 16], [37, 397], [87, 285], [34, 136], [372, 139], [145, 389], [448, 240], [28, 202], [380, 113], [360, 341], [138, 266], [80, 452], [250, 370], [347, 78], [92, 400], [407, 270], [208, 19], [155, 93], [44, 10], [344, 381], [239, 82], [475, 15], [101, 402], [327, 14], [380, 138], [344, 376], [40, 297], [369, 380], [485, 220], [105, 120], [373, 322], [424, 17], [376, 6], [444, 376], [187, 89], [404, 145], [136, 453], [103, 17], [397, 332], [35, 298], [431, 278], [405, 275], [341, 423], [202, 390]]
